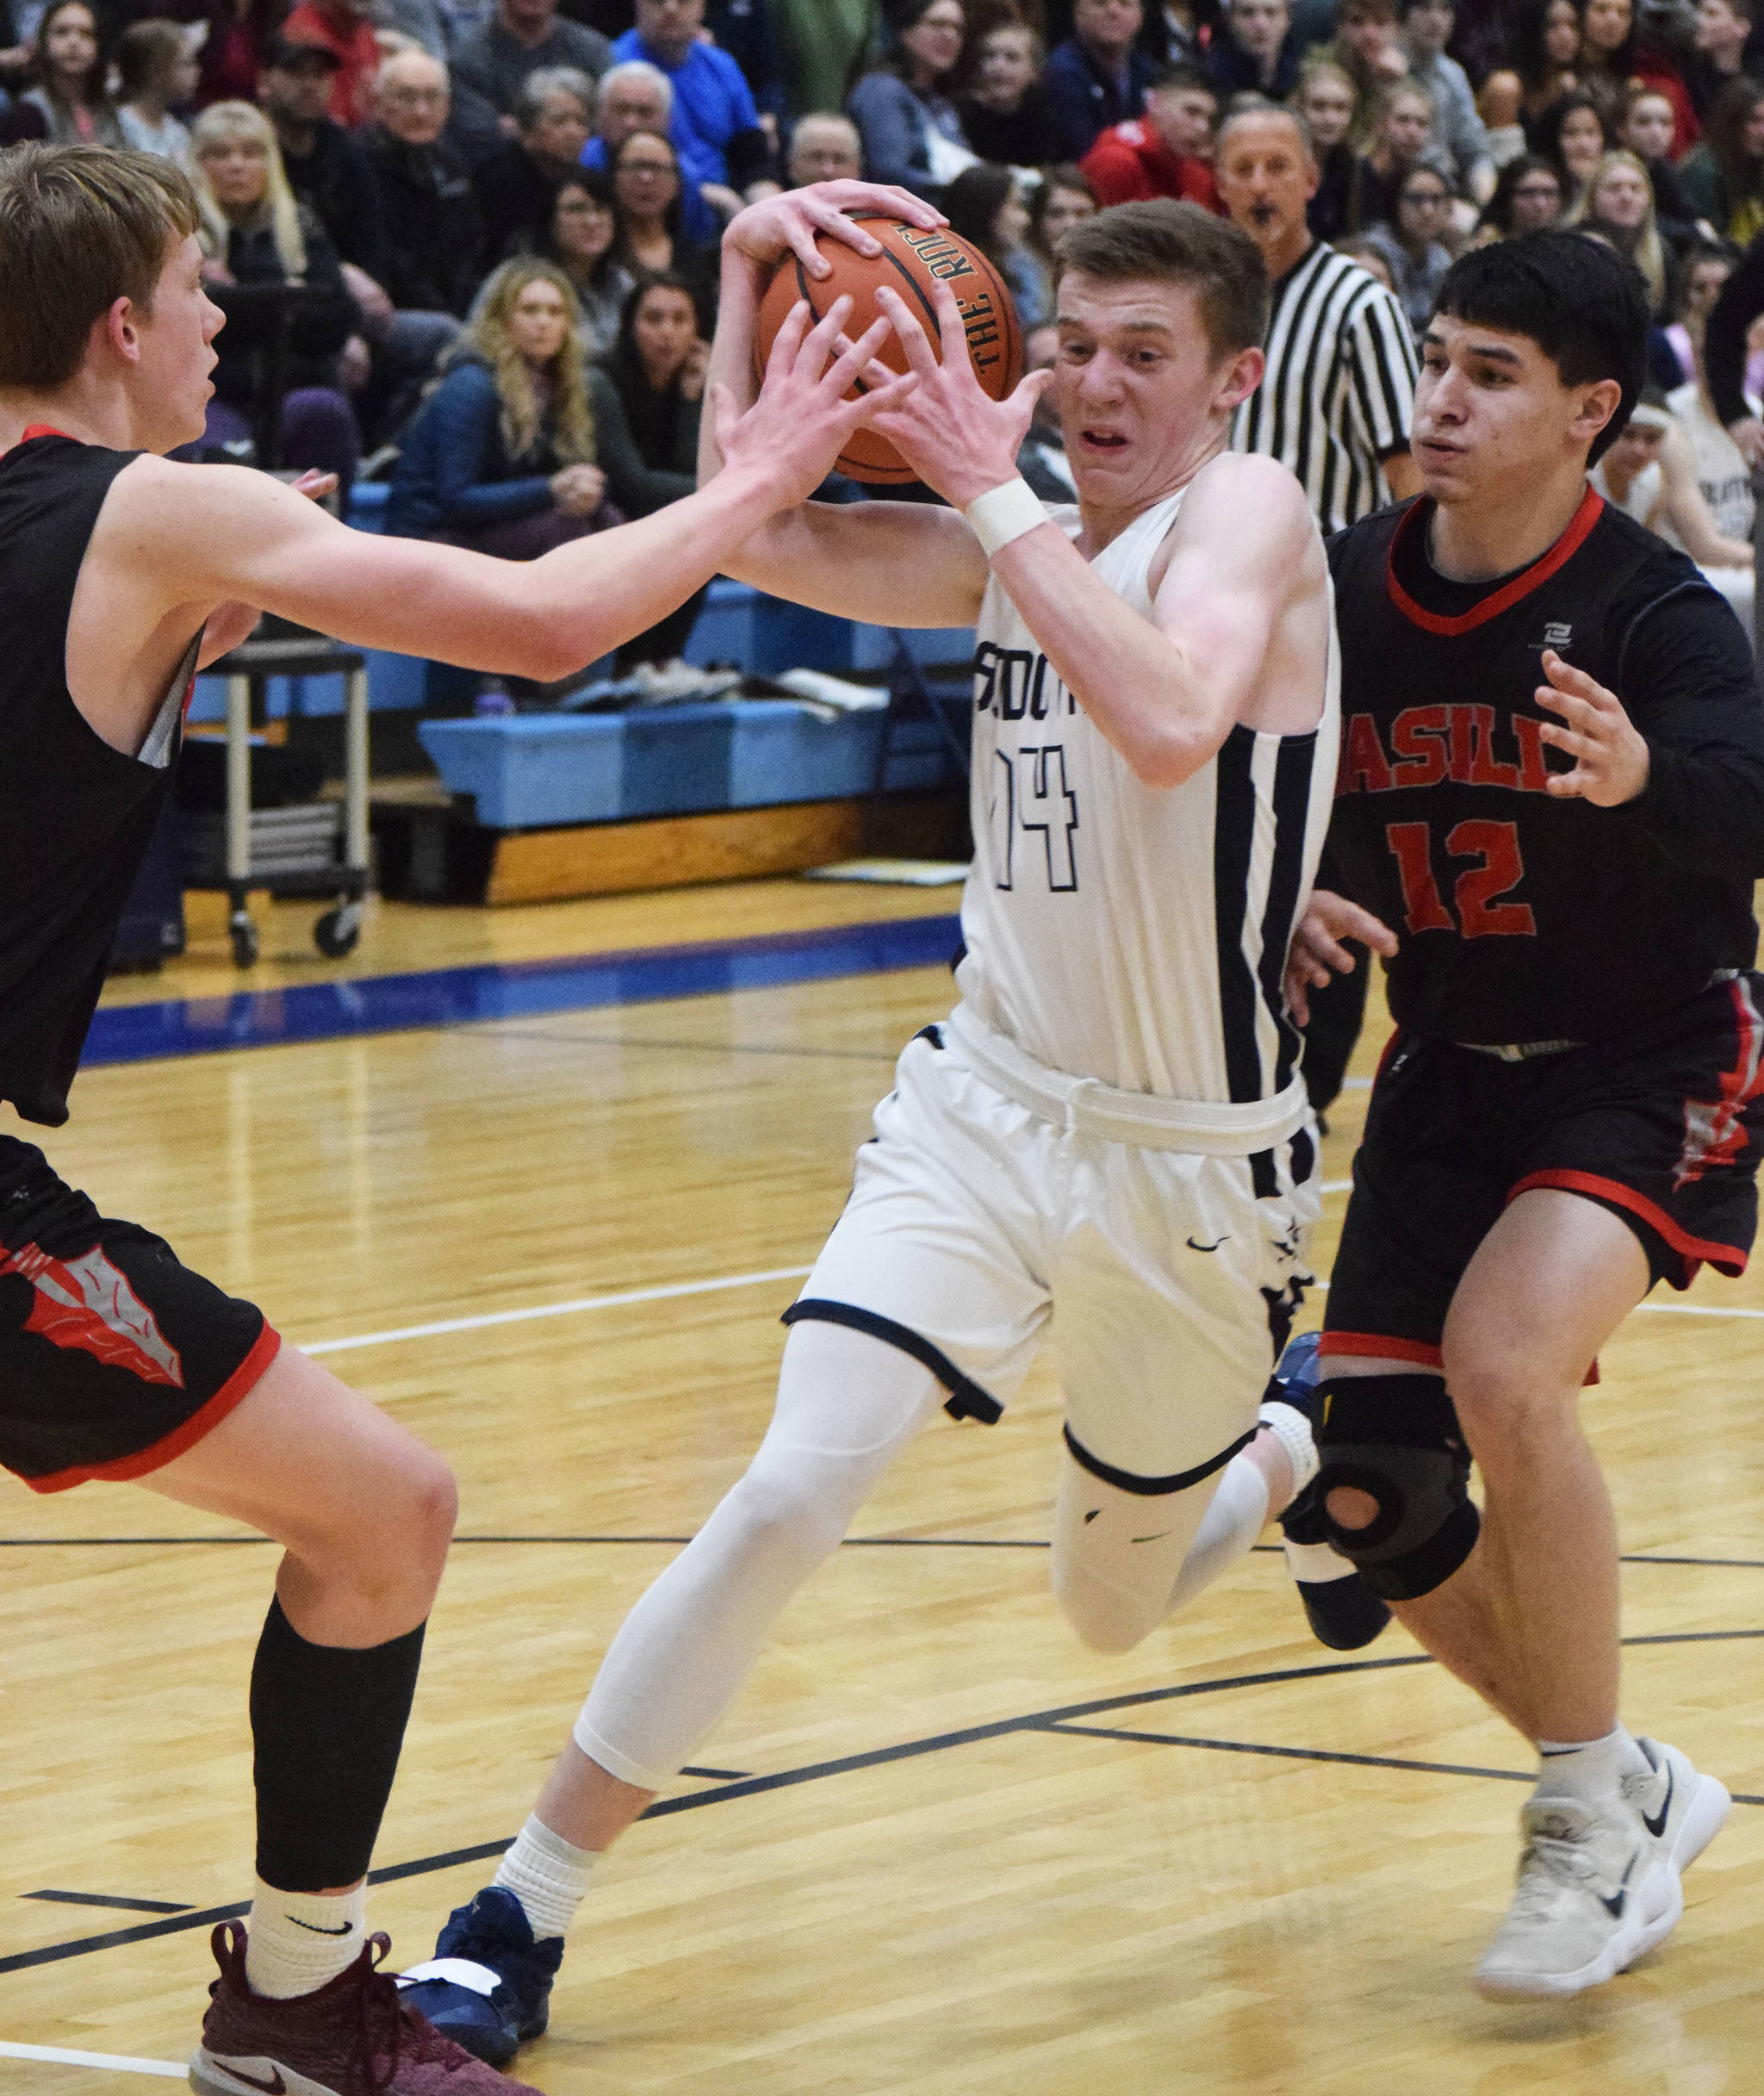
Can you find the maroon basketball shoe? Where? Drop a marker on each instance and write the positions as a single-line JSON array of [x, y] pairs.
[[351, 2037]]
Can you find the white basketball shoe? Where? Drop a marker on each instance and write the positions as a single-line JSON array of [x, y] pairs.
[[1599, 1885]]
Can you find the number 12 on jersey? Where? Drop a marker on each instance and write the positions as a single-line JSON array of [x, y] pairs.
[[1029, 793], [1477, 891]]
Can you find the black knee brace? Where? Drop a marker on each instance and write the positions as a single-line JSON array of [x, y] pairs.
[[1396, 1438]]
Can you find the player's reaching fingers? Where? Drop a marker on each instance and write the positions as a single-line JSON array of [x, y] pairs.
[[788, 342], [950, 325], [913, 340], [857, 358], [876, 200], [878, 400], [820, 343]]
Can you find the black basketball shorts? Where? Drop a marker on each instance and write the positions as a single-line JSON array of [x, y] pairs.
[[114, 1359], [1662, 1125]]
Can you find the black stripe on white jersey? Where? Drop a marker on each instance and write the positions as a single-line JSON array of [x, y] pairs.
[[1244, 992], [1292, 807], [1233, 834]]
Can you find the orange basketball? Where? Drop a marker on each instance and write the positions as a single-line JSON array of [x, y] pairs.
[[912, 260]]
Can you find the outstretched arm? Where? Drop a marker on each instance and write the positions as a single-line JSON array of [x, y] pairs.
[[175, 542], [1165, 692], [891, 563]]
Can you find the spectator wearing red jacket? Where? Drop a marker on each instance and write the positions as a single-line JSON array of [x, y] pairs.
[[1166, 153], [342, 27]]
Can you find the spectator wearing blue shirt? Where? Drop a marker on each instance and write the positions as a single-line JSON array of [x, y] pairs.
[[911, 130], [715, 125], [1098, 76]]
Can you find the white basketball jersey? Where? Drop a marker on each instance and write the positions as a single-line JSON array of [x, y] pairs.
[[1131, 933]]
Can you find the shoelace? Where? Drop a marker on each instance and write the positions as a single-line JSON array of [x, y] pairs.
[[380, 2034], [391, 2031], [1559, 1863]]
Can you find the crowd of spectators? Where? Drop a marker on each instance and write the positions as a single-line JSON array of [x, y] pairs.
[[479, 235]]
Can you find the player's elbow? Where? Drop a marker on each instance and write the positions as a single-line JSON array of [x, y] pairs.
[[1163, 757], [547, 656]]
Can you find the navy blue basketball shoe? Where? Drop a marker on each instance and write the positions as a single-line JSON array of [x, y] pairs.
[[1342, 1611], [488, 1986]]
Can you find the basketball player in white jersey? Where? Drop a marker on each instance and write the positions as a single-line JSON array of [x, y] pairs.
[[1109, 1130]]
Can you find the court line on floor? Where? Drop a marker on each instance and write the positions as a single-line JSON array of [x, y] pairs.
[[56, 2056], [668, 1293], [1064, 1716], [674, 1291], [427, 999]]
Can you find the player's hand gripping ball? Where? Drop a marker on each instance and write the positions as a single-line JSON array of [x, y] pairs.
[[911, 261]]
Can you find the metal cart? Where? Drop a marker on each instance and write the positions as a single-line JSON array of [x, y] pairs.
[[314, 848]]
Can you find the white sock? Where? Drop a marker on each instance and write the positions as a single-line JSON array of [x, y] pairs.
[[548, 1875], [1228, 1527], [1591, 1771], [297, 1941]]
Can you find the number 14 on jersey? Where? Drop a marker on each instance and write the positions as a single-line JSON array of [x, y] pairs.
[[1030, 797]]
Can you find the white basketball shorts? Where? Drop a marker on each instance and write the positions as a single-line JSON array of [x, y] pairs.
[[1171, 1277]]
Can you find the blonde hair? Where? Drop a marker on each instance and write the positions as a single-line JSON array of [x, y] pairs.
[[232, 123], [487, 332], [80, 228], [1649, 256]]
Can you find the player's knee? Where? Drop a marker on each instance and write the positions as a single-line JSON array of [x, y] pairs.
[[1394, 1480], [419, 1506], [1499, 1397], [787, 1513], [1104, 1618]]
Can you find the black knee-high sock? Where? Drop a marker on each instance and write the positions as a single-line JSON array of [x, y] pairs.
[[326, 1725]]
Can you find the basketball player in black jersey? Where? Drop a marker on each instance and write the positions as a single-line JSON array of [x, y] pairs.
[[120, 574], [1549, 819]]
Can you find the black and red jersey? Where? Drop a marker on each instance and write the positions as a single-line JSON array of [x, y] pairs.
[[76, 816], [1523, 918]]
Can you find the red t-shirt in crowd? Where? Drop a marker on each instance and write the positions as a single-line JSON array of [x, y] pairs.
[[1130, 163], [350, 35]]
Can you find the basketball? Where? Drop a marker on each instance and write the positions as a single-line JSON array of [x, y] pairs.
[[912, 260]]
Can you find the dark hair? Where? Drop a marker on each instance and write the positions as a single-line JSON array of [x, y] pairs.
[[1063, 175], [1177, 243], [1530, 59], [900, 16], [1406, 7], [1498, 211], [1549, 132], [592, 181], [80, 228], [147, 54], [672, 220], [1583, 304], [92, 87], [1622, 61], [973, 202], [1724, 126]]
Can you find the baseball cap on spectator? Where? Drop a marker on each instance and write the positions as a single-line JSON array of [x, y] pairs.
[[289, 54]]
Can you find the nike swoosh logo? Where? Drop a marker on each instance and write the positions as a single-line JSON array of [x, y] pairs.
[[1617, 1901], [313, 1928], [1657, 1826], [274, 2086], [1213, 1247]]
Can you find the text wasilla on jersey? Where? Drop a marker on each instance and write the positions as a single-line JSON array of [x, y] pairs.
[[1524, 918]]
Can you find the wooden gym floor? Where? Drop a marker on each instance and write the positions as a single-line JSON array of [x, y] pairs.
[[936, 1847]]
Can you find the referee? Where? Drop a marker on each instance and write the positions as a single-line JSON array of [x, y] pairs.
[[1336, 406]]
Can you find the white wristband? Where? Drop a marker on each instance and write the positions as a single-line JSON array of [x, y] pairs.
[[1003, 513]]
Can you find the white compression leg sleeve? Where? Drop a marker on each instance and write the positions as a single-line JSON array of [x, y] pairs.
[[1122, 1562], [846, 1405]]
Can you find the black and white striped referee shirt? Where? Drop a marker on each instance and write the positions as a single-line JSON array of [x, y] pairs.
[[1339, 392]]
